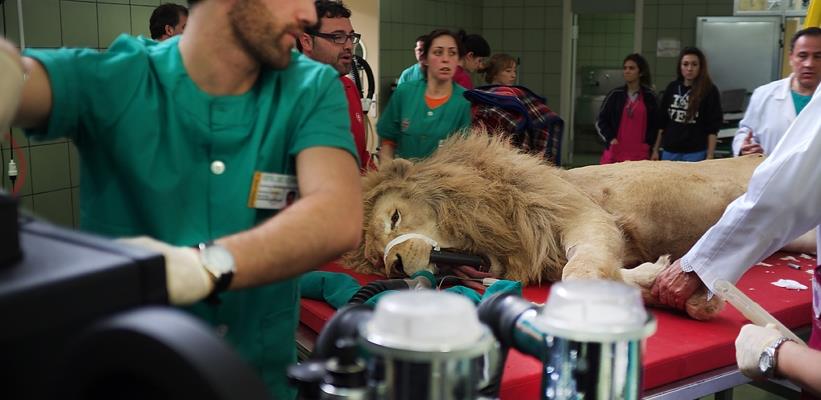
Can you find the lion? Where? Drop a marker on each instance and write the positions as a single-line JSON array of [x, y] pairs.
[[532, 222]]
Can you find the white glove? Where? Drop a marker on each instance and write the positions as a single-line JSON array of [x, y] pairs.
[[11, 85], [187, 281], [750, 343]]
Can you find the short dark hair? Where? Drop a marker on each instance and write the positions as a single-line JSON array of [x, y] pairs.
[[473, 43], [811, 31], [420, 38], [325, 9], [165, 14], [328, 9]]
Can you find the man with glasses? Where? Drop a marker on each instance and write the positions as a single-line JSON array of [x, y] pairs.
[[331, 42]]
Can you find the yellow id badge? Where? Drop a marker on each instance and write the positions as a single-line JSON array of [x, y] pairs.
[[270, 191]]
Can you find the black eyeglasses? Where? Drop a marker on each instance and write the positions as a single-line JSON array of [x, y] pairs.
[[340, 38]]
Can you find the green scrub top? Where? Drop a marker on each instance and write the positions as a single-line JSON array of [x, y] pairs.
[[416, 129], [162, 158], [410, 74]]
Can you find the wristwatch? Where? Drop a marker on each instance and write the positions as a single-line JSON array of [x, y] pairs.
[[768, 358], [219, 263]]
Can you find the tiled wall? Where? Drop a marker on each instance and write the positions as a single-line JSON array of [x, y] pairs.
[[530, 30], [674, 19], [51, 176], [402, 21], [604, 39]]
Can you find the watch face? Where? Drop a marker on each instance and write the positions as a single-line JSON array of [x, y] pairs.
[[218, 259], [765, 363]]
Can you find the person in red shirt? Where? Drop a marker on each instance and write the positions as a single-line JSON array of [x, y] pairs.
[[475, 49], [331, 42]]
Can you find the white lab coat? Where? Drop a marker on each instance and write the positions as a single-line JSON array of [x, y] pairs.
[[769, 114], [782, 202]]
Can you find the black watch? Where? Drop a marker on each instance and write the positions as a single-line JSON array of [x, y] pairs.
[[219, 263]]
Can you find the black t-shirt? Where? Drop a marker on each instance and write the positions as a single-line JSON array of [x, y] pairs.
[[681, 135]]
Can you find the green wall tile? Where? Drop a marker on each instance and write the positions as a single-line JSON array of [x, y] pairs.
[[79, 24], [48, 167], [553, 39], [533, 40], [11, 25], [73, 164], [140, 15], [25, 203], [20, 139], [146, 2], [3, 19], [534, 18], [534, 81], [534, 62], [553, 17], [41, 20], [512, 17], [669, 16], [512, 39], [113, 19], [114, 1], [650, 17], [55, 207]]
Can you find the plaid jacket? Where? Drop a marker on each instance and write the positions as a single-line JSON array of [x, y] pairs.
[[522, 115]]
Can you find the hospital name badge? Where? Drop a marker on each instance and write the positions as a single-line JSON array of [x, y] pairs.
[[271, 191]]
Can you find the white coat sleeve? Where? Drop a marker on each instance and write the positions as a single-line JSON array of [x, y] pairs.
[[783, 201]]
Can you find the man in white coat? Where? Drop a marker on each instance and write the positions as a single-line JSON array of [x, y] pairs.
[[773, 107], [783, 200]]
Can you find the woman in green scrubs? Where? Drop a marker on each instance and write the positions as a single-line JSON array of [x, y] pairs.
[[420, 114]]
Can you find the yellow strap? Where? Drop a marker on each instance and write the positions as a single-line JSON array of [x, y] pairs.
[[813, 18]]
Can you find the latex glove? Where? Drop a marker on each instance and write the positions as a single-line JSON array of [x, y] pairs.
[[750, 343], [187, 281], [11, 84], [673, 287]]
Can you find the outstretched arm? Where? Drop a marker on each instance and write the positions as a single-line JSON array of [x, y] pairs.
[[34, 95], [778, 206], [325, 222]]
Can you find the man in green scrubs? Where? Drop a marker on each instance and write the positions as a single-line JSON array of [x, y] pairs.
[[200, 138]]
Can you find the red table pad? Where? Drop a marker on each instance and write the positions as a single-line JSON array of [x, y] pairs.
[[680, 348]]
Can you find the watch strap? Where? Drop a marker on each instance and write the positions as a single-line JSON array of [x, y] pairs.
[[772, 351], [221, 282]]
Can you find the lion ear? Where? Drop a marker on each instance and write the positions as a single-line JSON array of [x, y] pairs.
[[397, 168]]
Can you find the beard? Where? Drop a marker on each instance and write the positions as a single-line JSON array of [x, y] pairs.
[[261, 35]]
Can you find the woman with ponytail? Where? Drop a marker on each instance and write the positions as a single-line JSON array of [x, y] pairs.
[[474, 51]]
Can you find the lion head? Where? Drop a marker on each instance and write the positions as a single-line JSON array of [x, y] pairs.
[[476, 195]]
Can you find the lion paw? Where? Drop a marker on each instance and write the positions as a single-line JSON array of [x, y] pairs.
[[698, 307]]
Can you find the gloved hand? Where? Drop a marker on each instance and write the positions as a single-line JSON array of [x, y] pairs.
[[11, 84], [187, 281], [750, 343]]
